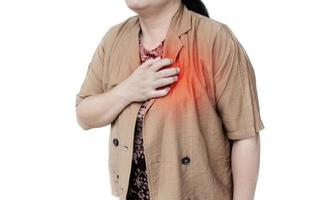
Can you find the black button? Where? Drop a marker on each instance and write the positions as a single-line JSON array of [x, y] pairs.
[[115, 142], [117, 176], [185, 160]]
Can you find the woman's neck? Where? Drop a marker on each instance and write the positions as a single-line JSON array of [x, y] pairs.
[[154, 24]]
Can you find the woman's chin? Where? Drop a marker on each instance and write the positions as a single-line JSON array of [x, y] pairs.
[[136, 5]]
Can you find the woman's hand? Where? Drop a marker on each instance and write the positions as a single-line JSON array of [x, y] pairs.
[[142, 83]]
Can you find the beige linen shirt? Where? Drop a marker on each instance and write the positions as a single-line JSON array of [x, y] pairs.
[[186, 133]]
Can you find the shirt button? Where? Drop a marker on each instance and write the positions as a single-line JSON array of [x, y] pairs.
[[115, 142], [185, 160]]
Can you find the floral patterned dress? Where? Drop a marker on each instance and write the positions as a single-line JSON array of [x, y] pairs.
[[138, 185]]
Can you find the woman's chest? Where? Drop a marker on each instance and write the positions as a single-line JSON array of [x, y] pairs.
[[195, 80]]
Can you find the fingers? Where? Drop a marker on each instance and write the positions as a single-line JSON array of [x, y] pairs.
[[161, 63], [168, 72], [155, 65], [165, 81], [150, 61], [161, 92]]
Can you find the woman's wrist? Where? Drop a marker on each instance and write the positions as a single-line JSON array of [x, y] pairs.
[[123, 93]]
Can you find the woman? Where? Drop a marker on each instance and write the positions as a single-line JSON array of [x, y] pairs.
[[179, 92]]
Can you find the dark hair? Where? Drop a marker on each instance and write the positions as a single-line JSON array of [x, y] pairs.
[[196, 6]]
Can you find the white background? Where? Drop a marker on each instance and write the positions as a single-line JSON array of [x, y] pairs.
[[46, 46]]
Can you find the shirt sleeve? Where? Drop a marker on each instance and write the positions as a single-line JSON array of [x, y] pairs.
[[235, 87], [92, 83]]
